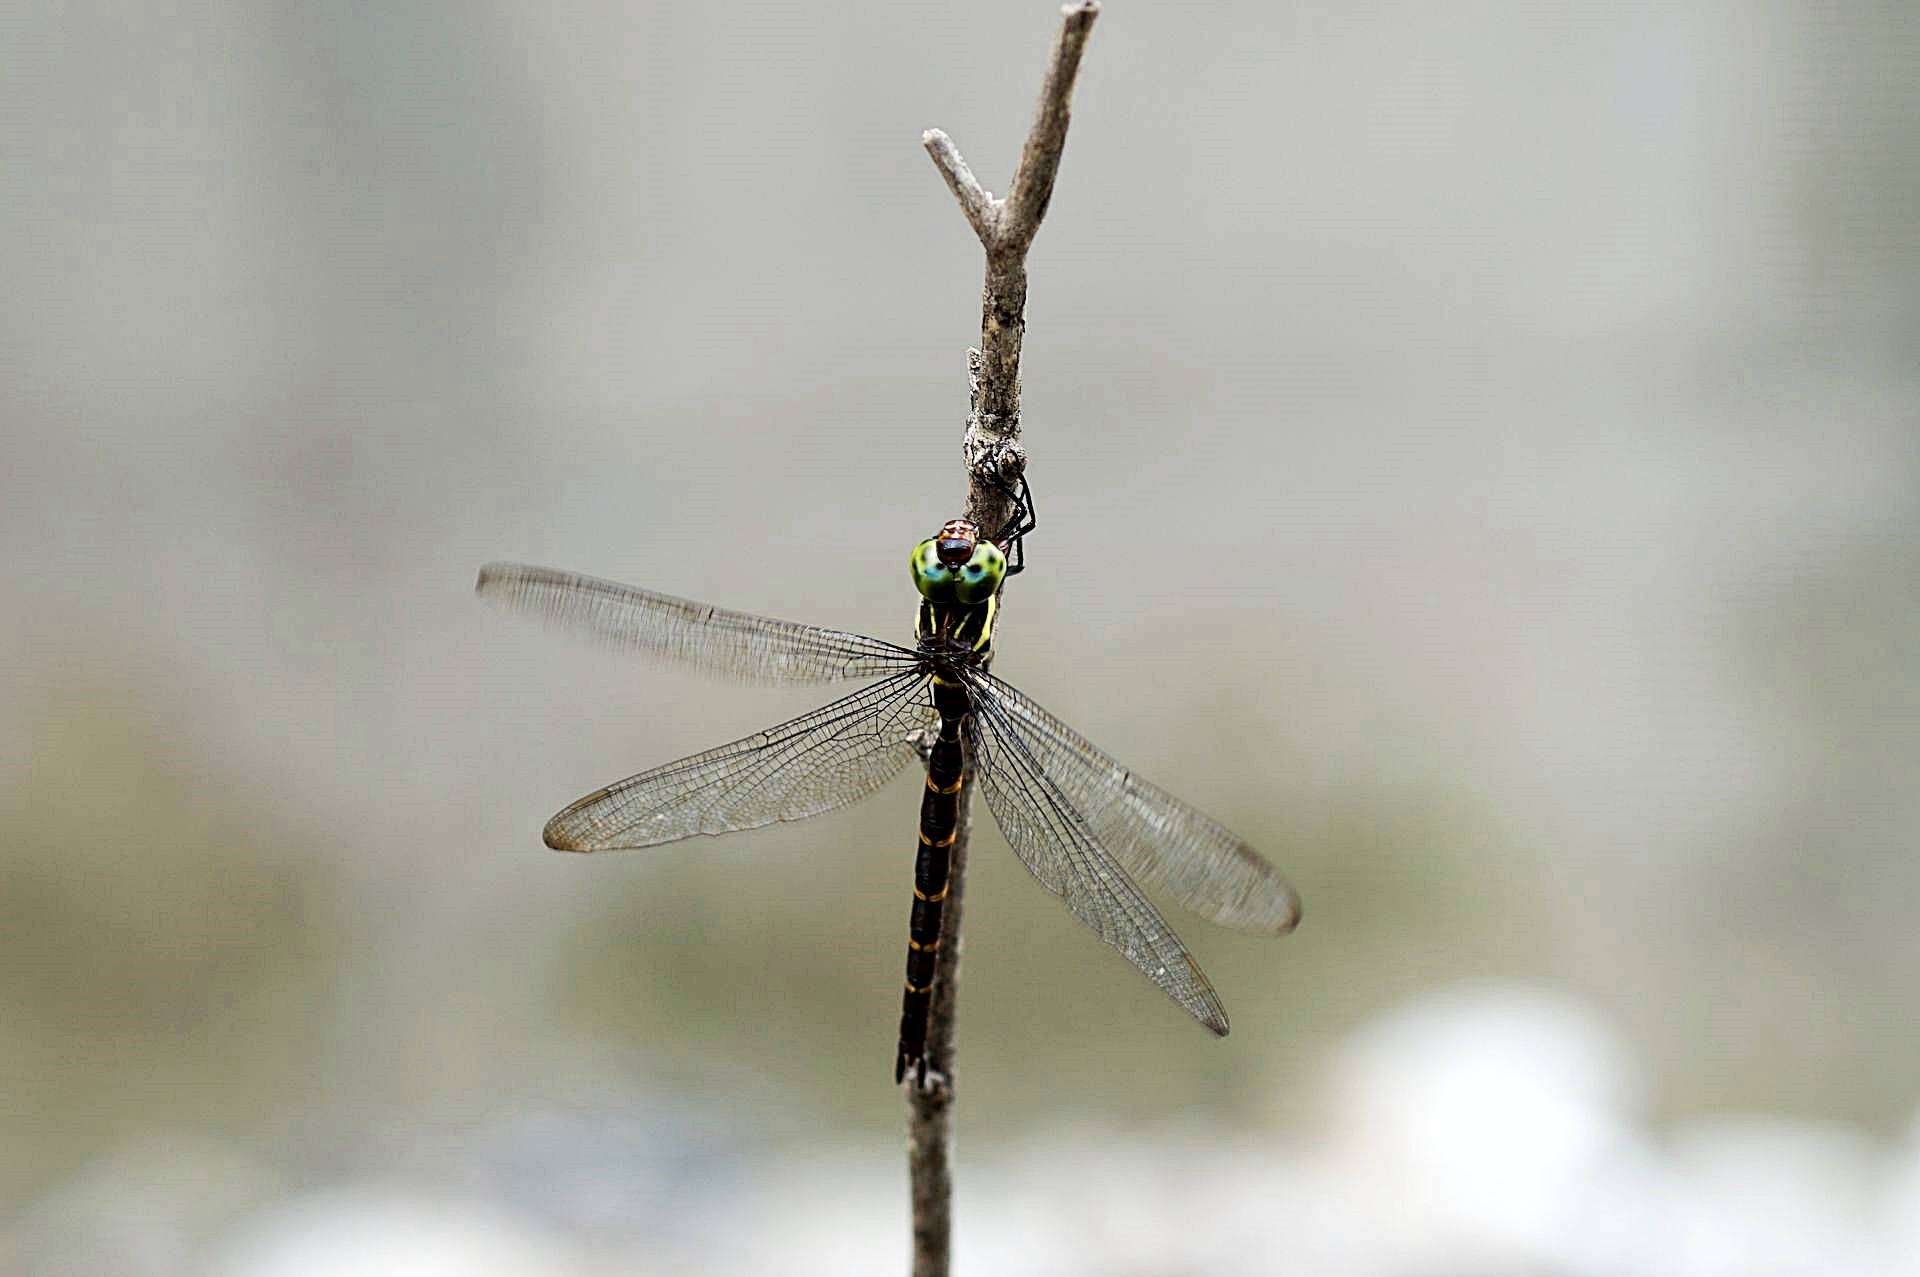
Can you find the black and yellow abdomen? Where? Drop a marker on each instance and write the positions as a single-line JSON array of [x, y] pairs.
[[932, 872], [961, 629]]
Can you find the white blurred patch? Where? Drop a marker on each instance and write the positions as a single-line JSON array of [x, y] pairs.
[[1771, 1195], [143, 1210], [373, 1231], [1484, 1116]]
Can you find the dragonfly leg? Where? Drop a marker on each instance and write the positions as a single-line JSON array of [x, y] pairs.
[[1012, 537]]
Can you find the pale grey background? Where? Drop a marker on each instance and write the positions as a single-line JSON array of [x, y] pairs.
[[1477, 456]]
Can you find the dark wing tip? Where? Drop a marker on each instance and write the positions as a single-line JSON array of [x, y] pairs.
[[1270, 905], [560, 838], [1291, 917], [493, 574], [1272, 910], [560, 833]]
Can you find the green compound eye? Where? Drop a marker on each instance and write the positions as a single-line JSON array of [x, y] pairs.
[[934, 579], [981, 575]]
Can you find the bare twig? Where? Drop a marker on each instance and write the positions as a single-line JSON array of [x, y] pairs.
[[982, 212], [1006, 228], [1032, 187], [994, 460]]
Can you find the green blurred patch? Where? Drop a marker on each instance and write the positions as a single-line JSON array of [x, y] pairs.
[[771, 954], [164, 954]]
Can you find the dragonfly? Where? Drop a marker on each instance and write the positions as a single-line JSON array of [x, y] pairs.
[[1089, 830]]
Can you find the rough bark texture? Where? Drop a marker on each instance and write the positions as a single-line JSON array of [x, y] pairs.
[[994, 460]]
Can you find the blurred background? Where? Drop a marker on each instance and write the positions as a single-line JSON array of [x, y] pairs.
[[1508, 416]]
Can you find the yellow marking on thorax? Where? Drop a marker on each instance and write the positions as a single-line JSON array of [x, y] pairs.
[[986, 623]]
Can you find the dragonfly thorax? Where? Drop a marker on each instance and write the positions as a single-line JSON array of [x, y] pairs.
[[954, 634]]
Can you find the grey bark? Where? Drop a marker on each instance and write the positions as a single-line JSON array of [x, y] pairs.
[[994, 458]]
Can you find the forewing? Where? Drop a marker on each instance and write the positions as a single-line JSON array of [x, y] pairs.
[[821, 760], [1159, 840], [1055, 840], [755, 648]]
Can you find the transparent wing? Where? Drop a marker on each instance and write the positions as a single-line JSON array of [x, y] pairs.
[[1055, 840], [1159, 840], [824, 759], [754, 648]]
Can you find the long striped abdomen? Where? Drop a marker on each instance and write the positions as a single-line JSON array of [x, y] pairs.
[[939, 814]]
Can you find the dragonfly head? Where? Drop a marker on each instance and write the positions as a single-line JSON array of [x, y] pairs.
[[954, 545], [957, 565]]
